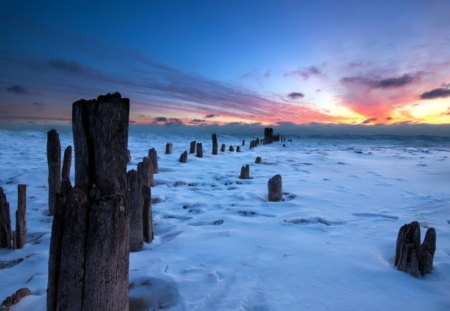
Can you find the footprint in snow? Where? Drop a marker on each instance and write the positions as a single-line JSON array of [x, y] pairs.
[[152, 294], [216, 222], [375, 215]]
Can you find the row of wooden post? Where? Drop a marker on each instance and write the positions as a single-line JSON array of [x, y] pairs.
[[8, 237]]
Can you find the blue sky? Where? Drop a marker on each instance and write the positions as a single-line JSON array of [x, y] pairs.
[[351, 62]]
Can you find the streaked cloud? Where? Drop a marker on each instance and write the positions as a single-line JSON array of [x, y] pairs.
[[389, 82], [17, 89], [436, 93], [305, 73], [295, 95]]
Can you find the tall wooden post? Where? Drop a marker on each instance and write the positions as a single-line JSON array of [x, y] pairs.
[[54, 168], [89, 253]]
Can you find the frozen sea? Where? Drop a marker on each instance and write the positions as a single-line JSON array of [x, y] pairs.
[[220, 245]]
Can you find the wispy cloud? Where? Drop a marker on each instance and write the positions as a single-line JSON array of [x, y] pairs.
[[17, 89], [295, 95], [305, 73], [436, 93], [167, 121], [390, 82]]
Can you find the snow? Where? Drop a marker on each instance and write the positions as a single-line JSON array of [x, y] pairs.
[[220, 245]]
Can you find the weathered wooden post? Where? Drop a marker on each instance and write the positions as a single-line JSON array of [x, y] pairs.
[[243, 142], [275, 188], [222, 148], [184, 157], [408, 242], [67, 161], [5, 222], [192, 147], [258, 160], [215, 145], [245, 172], [238, 148], [231, 148], [427, 250], [145, 170], [89, 249], [21, 222], [199, 150], [152, 154], [147, 217], [409, 254], [54, 168], [168, 148], [136, 202]]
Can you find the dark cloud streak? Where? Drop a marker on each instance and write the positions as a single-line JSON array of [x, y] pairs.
[[436, 93], [17, 89], [391, 82], [295, 95]]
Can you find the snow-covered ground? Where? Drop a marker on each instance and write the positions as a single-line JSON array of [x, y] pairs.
[[220, 245]]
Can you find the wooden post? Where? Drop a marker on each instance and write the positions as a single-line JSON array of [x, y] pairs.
[[199, 150], [258, 160], [67, 161], [223, 148], [147, 217], [238, 148], [192, 147], [168, 148], [275, 188], [245, 172], [145, 170], [136, 202], [5, 222], [243, 142], [215, 145], [184, 157], [152, 154], [54, 168], [89, 252], [21, 223], [427, 250], [231, 148]]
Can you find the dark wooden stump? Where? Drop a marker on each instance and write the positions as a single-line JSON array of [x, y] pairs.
[[54, 168], [192, 147], [199, 150], [169, 148], [145, 170], [223, 148], [184, 157], [215, 145], [238, 148], [67, 161], [409, 254], [243, 142], [5, 222], [136, 202], [245, 172], [21, 222], [89, 248], [258, 160], [427, 250], [231, 149], [275, 188], [408, 241], [147, 217], [152, 154]]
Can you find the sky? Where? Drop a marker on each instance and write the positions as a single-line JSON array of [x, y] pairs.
[[229, 62]]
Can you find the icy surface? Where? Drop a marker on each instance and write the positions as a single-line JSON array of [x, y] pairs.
[[220, 245]]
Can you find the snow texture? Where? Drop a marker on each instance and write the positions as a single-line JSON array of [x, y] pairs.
[[220, 245]]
